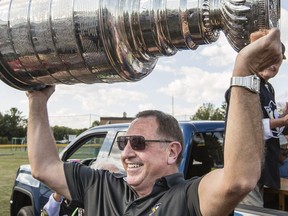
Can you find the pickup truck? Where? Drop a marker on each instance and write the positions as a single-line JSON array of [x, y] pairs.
[[203, 152]]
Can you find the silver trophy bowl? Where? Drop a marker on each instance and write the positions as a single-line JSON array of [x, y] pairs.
[[48, 42]]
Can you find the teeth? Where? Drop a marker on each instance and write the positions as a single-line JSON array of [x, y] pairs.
[[134, 165]]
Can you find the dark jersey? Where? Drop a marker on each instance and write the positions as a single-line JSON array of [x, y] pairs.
[[102, 193], [270, 173]]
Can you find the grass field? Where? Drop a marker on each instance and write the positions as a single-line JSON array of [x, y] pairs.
[[10, 160]]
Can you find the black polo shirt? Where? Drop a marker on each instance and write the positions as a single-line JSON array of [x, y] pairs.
[[102, 193]]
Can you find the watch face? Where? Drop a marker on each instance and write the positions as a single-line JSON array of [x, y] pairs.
[[256, 84]]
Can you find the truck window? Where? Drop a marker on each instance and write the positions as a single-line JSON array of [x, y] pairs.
[[214, 145], [89, 150], [115, 153], [206, 154]]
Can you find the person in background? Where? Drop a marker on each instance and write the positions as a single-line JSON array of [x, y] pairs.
[[152, 151], [56, 201], [283, 163], [273, 125], [52, 207]]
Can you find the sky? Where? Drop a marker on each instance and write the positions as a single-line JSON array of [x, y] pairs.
[[178, 85]]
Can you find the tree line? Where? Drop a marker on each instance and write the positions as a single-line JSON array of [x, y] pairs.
[[208, 111], [14, 125]]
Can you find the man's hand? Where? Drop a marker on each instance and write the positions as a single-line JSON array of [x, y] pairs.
[[41, 94], [260, 54], [280, 122], [285, 109]]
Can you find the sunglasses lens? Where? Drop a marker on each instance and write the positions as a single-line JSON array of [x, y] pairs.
[[137, 142], [122, 142]]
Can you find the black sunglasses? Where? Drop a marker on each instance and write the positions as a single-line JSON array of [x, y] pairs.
[[137, 142]]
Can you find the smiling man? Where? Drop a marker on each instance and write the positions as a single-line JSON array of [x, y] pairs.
[[160, 153], [151, 152]]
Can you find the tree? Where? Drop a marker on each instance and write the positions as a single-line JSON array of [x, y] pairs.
[[208, 112], [95, 123], [62, 133], [12, 124]]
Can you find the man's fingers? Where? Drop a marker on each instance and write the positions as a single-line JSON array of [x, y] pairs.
[[47, 91]]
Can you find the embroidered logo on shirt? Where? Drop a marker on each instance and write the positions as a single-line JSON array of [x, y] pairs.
[[272, 112], [154, 209]]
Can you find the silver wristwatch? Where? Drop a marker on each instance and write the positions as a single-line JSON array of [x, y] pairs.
[[252, 83]]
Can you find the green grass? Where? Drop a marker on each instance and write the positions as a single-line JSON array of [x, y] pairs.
[[10, 160]]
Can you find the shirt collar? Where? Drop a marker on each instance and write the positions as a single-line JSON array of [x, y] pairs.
[[173, 179]]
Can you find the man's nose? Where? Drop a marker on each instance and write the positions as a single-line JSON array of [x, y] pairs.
[[128, 149]]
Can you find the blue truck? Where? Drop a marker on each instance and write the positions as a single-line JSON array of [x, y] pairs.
[[203, 152]]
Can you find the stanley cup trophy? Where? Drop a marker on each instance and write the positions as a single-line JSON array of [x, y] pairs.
[[47, 42]]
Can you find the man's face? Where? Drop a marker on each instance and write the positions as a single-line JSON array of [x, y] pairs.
[[145, 166], [270, 72]]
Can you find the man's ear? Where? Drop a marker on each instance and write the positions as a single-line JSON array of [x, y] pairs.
[[174, 150]]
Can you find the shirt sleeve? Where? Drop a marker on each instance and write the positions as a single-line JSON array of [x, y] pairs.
[[266, 127], [193, 196], [52, 207], [79, 178]]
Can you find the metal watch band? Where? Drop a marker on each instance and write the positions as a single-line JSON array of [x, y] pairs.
[[252, 83]]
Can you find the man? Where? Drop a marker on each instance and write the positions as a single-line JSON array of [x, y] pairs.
[[151, 151]]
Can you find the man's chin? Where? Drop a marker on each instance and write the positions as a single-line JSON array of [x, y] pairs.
[[134, 180]]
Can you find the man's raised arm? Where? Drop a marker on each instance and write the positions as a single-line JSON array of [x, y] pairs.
[[42, 152], [221, 190]]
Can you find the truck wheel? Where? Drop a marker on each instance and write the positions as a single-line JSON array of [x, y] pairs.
[[26, 211]]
